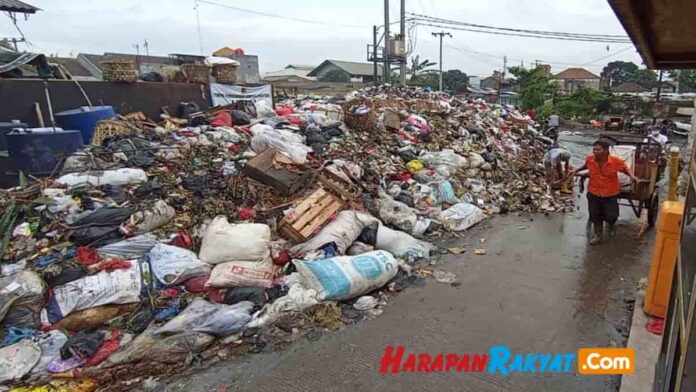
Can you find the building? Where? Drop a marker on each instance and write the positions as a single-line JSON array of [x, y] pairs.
[[571, 79], [248, 64], [475, 81], [358, 72], [73, 67], [496, 82], [293, 73]]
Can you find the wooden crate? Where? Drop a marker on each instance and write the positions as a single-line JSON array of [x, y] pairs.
[[310, 215], [520, 123]]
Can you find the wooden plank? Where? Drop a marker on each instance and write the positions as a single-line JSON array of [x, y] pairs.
[[313, 212], [307, 203], [286, 231], [319, 220]]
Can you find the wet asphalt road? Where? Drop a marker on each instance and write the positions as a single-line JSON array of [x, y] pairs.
[[539, 288]]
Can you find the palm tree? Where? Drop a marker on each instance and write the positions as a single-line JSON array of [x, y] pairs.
[[417, 66]]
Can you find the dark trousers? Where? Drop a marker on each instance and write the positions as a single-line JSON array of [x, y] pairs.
[[602, 209]]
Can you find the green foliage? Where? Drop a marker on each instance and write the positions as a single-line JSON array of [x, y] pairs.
[[534, 86], [580, 104], [455, 80], [545, 110], [628, 72], [335, 75], [418, 67], [686, 79]]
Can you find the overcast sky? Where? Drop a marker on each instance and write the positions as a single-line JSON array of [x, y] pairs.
[[169, 26]]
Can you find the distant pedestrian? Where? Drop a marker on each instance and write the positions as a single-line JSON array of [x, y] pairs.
[[603, 189], [557, 167]]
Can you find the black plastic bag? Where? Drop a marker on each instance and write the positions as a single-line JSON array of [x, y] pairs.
[[58, 275], [100, 227], [369, 235], [257, 295], [83, 345], [150, 188], [240, 118], [188, 108], [115, 192]]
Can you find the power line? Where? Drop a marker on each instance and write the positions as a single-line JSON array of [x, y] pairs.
[[437, 22], [318, 22], [607, 56], [446, 26]]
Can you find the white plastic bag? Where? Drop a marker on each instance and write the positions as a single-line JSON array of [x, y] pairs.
[[223, 242], [243, 274], [401, 244], [173, 265], [299, 298], [113, 177], [117, 287], [50, 342], [444, 158], [400, 215], [627, 154], [342, 231], [215, 319], [290, 144], [475, 160], [263, 110], [18, 359], [461, 216], [130, 248], [149, 219], [345, 277]]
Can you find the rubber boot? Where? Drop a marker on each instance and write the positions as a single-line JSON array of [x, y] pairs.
[[565, 187], [598, 232], [611, 230]]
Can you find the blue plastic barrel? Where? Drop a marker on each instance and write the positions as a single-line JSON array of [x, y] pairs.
[[40, 151], [84, 119], [7, 127]]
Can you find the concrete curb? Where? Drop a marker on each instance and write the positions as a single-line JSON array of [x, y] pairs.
[[647, 347]]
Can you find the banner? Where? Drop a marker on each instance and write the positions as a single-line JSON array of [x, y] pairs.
[[225, 94]]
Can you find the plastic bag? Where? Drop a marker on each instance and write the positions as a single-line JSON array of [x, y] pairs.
[[290, 144], [50, 344], [299, 298], [93, 317], [21, 299], [263, 110], [177, 348], [243, 274], [359, 248], [173, 265], [427, 176], [345, 277], [150, 219], [414, 166], [135, 350], [113, 177], [444, 158], [475, 160], [255, 295], [342, 231], [445, 193], [401, 216], [117, 287], [418, 122], [461, 216], [130, 248], [206, 317], [402, 245], [223, 242], [100, 227], [18, 359]]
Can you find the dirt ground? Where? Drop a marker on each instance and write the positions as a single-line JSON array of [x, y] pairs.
[[539, 288]]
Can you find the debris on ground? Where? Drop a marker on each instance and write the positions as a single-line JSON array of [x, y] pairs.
[[236, 230]]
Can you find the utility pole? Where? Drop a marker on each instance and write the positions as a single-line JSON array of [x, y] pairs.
[[147, 50], [137, 57], [441, 34], [657, 98], [374, 54], [402, 66], [386, 42], [501, 77]]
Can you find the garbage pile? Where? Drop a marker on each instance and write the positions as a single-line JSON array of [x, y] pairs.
[[243, 228]]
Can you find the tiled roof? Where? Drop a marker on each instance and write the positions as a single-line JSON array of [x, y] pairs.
[[575, 73], [17, 6]]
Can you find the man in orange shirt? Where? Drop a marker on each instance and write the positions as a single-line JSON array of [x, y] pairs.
[[604, 188]]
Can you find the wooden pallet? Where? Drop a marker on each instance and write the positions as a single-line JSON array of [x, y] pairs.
[[310, 215]]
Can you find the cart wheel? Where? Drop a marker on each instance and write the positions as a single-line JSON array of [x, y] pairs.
[[652, 209]]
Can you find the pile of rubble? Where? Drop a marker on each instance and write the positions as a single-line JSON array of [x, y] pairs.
[[243, 228]]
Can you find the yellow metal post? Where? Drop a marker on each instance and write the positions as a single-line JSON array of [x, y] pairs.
[[673, 173]]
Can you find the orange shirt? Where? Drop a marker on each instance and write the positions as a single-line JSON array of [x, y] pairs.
[[604, 179]]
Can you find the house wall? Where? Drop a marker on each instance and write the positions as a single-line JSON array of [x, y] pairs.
[[569, 86], [18, 97]]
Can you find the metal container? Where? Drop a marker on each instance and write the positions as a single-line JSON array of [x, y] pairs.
[[41, 151], [85, 119]]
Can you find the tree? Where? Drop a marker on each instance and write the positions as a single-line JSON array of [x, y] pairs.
[[418, 67], [454, 80], [685, 77], [582, 103], [619, 72], [335, 75], [645, 77], [534, 86]]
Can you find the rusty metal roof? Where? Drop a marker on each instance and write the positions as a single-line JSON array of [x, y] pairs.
[[17, 6]]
